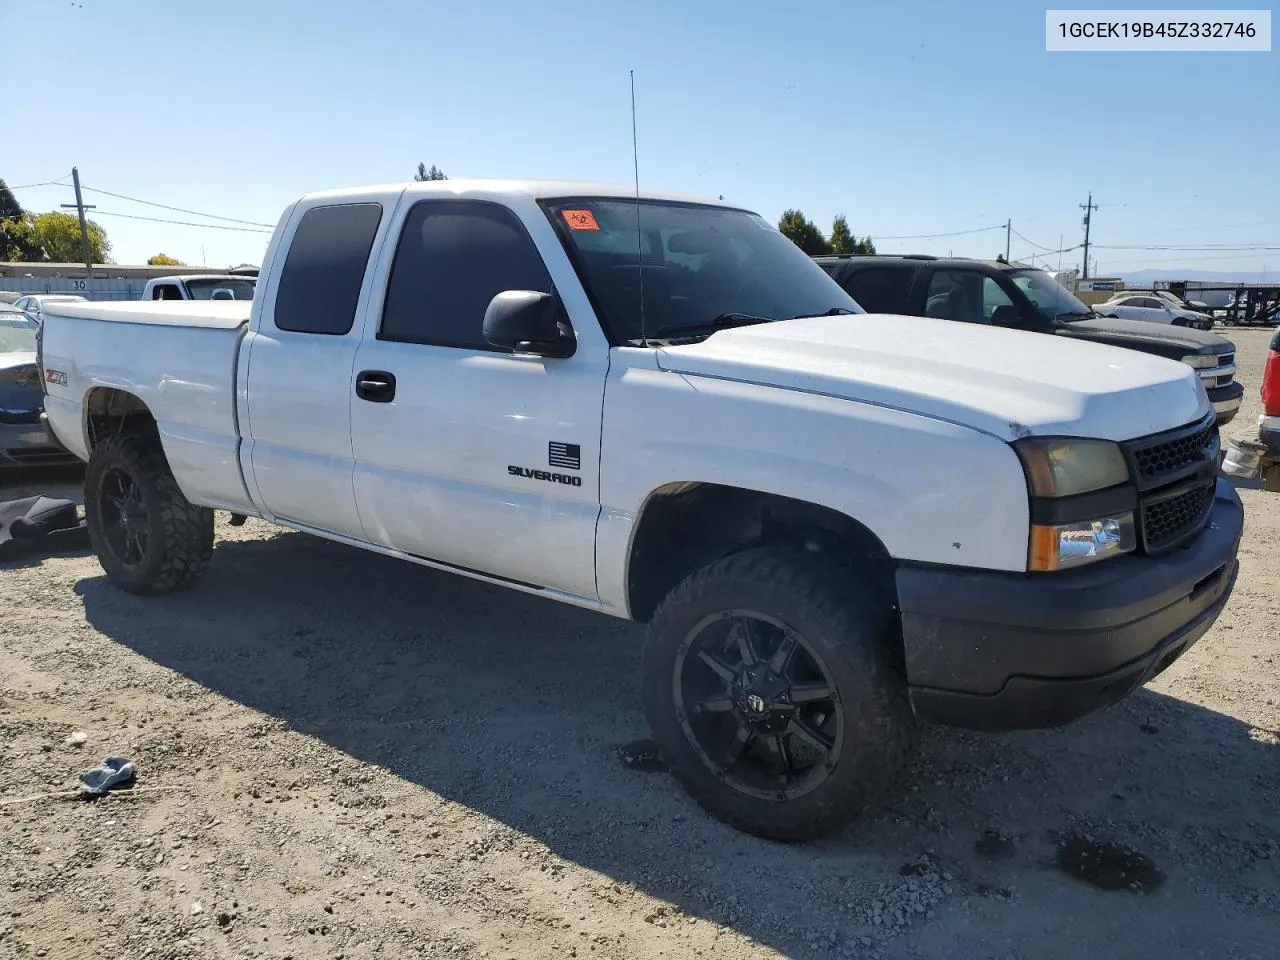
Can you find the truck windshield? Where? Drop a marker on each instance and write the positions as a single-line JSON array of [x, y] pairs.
[[221, 288], [1050, 297], [700, 268]]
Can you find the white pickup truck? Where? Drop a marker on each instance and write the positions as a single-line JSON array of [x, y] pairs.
[[836, 524], [200, 286]]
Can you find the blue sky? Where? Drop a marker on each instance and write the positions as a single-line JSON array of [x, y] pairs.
[[910, 118]]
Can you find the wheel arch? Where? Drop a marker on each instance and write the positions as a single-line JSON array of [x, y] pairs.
[[109, 410], [683, 526]]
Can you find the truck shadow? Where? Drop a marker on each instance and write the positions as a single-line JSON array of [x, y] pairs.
[[516, 707]]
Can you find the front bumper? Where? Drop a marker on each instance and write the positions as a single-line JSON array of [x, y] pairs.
[[32, 445], [1226, 401], [1003, 651]]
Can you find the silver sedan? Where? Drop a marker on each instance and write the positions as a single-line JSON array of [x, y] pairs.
[[1153, 309]]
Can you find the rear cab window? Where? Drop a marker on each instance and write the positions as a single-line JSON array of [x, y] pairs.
[[221, 288], [325, 267]]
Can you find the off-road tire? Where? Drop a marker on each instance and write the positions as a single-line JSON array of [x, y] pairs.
[[179, 534], [856, 634]]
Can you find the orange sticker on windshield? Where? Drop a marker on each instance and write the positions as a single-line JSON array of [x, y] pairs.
[[580, 219]]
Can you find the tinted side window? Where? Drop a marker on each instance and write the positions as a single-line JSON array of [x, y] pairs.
[[955, 295], [454, 257], [992, 297], [881, 289], [320, 282]]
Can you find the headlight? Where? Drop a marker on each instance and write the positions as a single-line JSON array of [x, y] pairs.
[[1066, 545], [1201, 361], [1064, 467]]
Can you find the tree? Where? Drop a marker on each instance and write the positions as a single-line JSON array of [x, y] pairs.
[[804, 233], [843, 240], [15, 229], [58, 236], [9, 206], [435, 173], [164, 260]]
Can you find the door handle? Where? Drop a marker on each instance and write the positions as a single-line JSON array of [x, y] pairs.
[[376, 386]]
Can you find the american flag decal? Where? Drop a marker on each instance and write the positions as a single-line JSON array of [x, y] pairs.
[[565, 455]]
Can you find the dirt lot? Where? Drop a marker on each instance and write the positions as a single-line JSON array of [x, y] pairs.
[[353, 757]]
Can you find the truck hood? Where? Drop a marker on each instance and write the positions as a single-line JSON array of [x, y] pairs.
[[1165, 340], [1008, 383]]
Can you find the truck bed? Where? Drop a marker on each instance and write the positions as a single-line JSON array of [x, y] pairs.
[[213, 314], [188, 351]]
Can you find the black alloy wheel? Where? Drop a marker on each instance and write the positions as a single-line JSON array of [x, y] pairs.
[[758, 705]]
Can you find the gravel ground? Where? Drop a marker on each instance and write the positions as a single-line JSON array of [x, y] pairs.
[[349, 757]]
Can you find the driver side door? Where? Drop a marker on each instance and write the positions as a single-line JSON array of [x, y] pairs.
[[468, 455], [969, 296]]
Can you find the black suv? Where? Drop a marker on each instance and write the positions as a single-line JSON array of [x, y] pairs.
[[1027, 298]]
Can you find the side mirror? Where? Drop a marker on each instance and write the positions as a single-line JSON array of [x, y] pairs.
[[526, 321]]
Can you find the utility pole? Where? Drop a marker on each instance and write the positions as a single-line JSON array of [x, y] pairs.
[[84, 225], [1008, 227], [1088, 209]]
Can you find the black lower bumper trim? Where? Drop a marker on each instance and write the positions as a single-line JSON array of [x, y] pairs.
[[1004, 651], [1037, 702]]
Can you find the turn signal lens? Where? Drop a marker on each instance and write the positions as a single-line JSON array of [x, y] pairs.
[[1066, 545]]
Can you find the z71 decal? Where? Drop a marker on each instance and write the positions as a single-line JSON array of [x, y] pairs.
[[567, 479]]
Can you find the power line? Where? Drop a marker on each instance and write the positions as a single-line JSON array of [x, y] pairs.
[[165, 206], [1247, 256], [932, 236], [1032, 242], [43, 183], [1049, 253], [1219, 247], [182, 223]]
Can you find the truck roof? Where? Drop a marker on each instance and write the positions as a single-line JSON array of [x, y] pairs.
[[939, 261], [537, 189], [169, 277]]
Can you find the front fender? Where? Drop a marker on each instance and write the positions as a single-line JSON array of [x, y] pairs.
[[931, 491]]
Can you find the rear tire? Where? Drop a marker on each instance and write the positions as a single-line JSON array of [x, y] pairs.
[[148, 537], [802, 764]]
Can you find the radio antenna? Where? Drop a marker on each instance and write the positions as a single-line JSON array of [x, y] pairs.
[[635, 158]]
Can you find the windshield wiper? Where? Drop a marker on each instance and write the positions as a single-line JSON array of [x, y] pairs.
[[1077, 314], [833, 312], [719, 322]]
